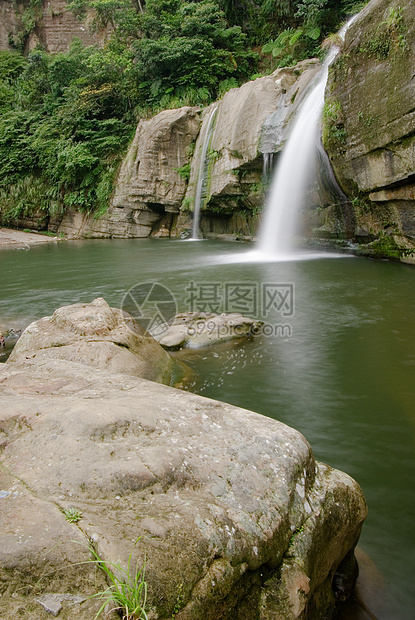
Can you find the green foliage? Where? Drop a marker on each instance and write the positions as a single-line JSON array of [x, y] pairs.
[[226, 85], [73, 515], [361, 204], [310, 24], [377, 47], [25, 25], [396, 28], [367, 121], [389, 37], [293, 45], [260, 19], [179, 602], [66, 119], [333, 128], [186, 205], [11, 65], [28, 197], [387, 247], [184, 171], [188, 46], [297, 531], [127, 589], [352, 7]]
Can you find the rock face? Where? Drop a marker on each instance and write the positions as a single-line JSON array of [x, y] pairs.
[[55, 26], [370, 121], [151, 183], [229, 510], [251, 120], [96, 335]]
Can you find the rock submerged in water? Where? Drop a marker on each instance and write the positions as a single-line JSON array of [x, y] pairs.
[[195, 330], [230, 511]]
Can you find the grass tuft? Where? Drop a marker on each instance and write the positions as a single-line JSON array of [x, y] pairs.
[[127, 589]]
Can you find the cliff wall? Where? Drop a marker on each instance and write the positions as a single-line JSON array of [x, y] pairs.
[[369, 130], [151, 183], [368, 133], [50, 24], [250, 121]]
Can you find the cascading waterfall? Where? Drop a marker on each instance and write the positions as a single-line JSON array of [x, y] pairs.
[[204, 164], [292, 174]]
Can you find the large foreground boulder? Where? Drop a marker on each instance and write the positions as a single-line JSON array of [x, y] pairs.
[[228, 509], [97, 335]]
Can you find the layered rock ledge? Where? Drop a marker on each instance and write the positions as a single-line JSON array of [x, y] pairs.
[[370, 125], [229, 509]]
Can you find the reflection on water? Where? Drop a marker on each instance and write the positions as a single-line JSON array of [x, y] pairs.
[[344, 377]]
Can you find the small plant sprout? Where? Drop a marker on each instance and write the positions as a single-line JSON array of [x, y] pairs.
[[73, 515], [179, 602]]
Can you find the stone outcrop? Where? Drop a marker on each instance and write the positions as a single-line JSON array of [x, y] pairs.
[[251, 120], [96, 335], [55, 26], [369, 130], [228, 509], [152, 180], [194, 330]]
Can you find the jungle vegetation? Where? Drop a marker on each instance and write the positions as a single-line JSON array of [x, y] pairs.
[[66, 119]]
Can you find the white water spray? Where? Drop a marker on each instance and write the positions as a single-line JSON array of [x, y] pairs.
[[292, 174], [202, 175]]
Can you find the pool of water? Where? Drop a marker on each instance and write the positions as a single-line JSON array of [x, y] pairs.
[[335, 358]]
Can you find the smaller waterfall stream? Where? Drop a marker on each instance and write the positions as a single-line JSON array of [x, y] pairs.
[[297, 162], [268, 167], [202, 175]]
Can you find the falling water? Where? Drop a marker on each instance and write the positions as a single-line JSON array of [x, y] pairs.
[[292, 174], [268, 165], [202, 175]]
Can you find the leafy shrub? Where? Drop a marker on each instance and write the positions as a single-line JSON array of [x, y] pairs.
[[333, 127], [67, 119]]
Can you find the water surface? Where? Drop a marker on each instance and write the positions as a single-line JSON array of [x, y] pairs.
[[343, 376]]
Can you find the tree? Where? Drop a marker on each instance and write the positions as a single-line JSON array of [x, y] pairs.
[[188, 45]]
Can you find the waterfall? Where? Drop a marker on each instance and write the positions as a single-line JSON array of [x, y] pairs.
[[267, 167], [203, 168], [297, 162]]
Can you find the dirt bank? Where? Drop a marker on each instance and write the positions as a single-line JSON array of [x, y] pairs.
[[18, 238]]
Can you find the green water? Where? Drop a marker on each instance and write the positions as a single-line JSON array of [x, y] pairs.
[[344, 377]]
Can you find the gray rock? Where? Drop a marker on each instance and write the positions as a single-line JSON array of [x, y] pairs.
[[372, 89], [245, 128], [202, 329], [226, 502], [57, 27], [53, 602], [96, 335], [149, 188]]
